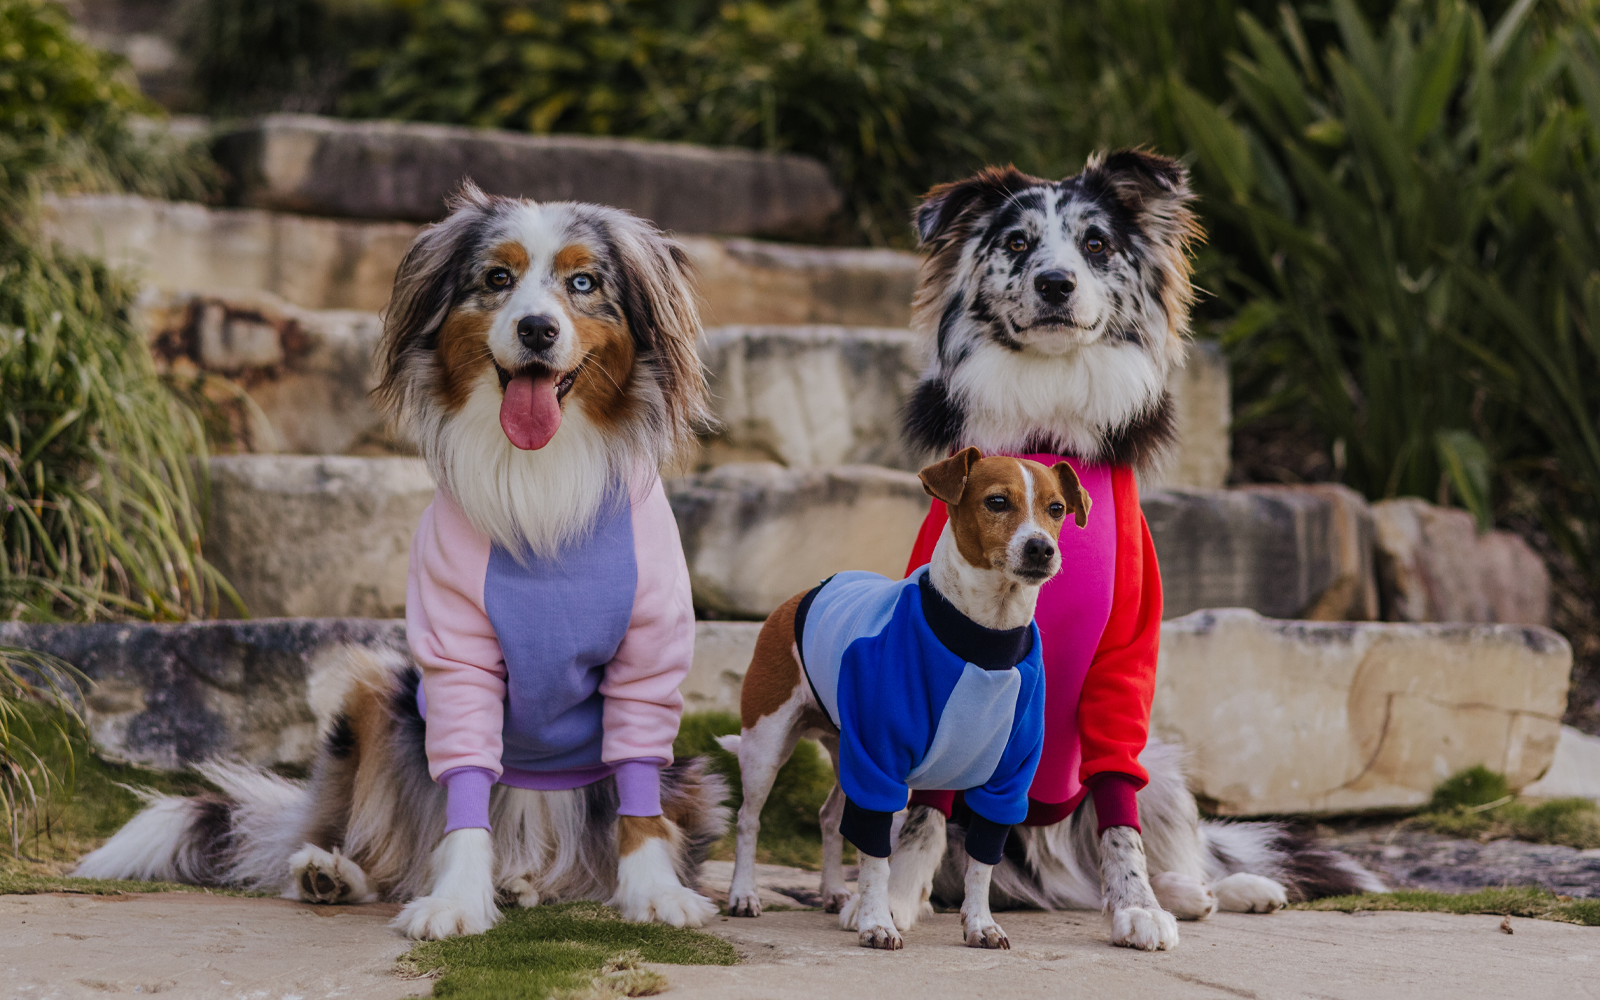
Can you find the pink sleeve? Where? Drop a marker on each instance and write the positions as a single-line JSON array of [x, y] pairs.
[[642, 704], [463, 671]]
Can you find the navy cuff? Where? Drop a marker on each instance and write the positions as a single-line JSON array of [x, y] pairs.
[[868, 829], [986, 839]]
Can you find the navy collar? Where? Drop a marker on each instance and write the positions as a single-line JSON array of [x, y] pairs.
[[991, 649]]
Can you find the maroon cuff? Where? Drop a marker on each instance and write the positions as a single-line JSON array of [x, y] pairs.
[[1115, 802]]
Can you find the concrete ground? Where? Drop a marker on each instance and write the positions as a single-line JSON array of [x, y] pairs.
[[218, 948]]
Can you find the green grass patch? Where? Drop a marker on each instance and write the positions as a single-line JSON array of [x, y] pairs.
[[569, 951], [1478, 804], [1518, 902]]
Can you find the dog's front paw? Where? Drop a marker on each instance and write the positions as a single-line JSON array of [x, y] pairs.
[[322, 876], [1246, 893], [1184, 896], [670, 904], [834, 902], [434, 918], [881, 935], [1151, 929], [744, 903], [983, 932]]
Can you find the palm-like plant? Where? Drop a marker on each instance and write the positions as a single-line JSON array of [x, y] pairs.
[[52, 690]]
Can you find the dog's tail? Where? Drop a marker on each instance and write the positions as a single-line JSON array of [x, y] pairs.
[[1307, 868], [729, 743]]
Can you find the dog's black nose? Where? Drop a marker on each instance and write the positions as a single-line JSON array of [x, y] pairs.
[[537, 332], [1054, 286], [1037, 551]]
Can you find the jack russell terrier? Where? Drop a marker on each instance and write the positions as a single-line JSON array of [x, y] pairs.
[[934, 681]]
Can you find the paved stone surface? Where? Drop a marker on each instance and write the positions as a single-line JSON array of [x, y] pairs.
[[405, 170], [1435, 566], [1415, 859], [195, 947], [1329, 717], [804, 956]]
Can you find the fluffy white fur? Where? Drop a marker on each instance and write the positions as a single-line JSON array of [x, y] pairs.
[[462, 898], [648, 889]]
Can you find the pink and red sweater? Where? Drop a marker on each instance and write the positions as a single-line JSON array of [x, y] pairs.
[[551, 672]]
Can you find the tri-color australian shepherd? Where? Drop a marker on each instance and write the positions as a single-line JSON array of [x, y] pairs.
[[1056, 311], [543, 357]]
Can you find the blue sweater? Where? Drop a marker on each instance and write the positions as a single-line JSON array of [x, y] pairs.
[[923, 698]]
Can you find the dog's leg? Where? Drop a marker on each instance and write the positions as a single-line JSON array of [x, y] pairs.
[[834, 893], [320, 876], [763, 749], [462, 898], [976, 920], [1243, 892], [647, 882], [1183, 896], [917, 854], [1137, 919], [868, 910]]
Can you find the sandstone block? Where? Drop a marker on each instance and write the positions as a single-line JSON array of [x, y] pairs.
[[1204, 408], [313, 536], [722, 652], [405, 170], [1311, 717], [747, 281], [1433, 565], [1286, 552], [756, 534]]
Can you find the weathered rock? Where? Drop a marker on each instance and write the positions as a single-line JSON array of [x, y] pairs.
[[317, 536], [810, 395], [1286, 552], [349, 264], [306, 374], [1204, 409], [170, 696], [1575, 771], [1310, 717], [1434, 566], [722, 652], [406, 170], [756, 534]]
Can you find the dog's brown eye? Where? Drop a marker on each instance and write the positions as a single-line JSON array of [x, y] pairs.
[[1018, 243], [1094, 244], [997, 503], [1058, 510], [499, 278], [583, 283]]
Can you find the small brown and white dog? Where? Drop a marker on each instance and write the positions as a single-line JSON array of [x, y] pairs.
[[934, 681], [542, 357]]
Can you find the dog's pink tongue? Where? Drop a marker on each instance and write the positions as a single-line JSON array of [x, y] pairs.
[[530, 413]]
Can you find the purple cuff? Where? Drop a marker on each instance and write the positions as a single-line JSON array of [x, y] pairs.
[[466, 797], [1115, 801], [639, 787]]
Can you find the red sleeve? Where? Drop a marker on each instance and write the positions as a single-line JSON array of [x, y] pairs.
[[1114, 709], [928, 536]]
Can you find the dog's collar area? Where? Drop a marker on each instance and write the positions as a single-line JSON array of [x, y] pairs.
[[988, 648], [563, 384]]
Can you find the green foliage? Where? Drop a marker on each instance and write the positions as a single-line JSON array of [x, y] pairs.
[[38, 706], [791, 833], [1476, 786], [1478, 803], [568, 950], [1521, 902]]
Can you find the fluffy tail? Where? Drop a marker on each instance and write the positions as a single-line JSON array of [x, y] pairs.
[[241, 837], [1306, 868], [729, 743]]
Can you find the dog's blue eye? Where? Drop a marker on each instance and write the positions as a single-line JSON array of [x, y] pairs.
[[582, 283]]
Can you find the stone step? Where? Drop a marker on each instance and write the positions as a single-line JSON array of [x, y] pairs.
[[318, 263], [406, 170], [1279, 716]]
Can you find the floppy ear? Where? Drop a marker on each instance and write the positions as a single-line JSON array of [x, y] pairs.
[[1155, 188], [947, 480], [1077, 498], [657, 298], [425, 287], [936, 217]]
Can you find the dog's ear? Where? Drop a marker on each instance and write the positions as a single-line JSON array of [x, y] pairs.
[[658, 303], [936, 218], [1154, 187], [1077, 498], [947, 480], [425, 288]]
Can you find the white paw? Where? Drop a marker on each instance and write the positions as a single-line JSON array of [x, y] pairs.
[[882, 935], [320, 876], [849, 911], [521, 891], [434, 918], [1184, 896], [983, 932], [669, 904], [1145, 929], [1246, 893], [834, 902], [744, 903]]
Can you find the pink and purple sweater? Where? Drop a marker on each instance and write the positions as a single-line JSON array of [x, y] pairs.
[[551, 673]]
